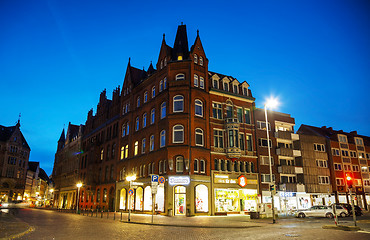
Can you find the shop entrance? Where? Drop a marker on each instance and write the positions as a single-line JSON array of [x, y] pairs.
[[180, 200]]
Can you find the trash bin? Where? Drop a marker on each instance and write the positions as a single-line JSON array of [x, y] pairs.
[[254, 215]]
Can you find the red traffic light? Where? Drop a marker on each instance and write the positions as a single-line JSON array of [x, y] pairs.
[[349, 180], [348, 177]]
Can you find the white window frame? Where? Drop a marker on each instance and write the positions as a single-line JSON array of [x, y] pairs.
[[319, 147], [151, 144], [180, 77], [201, 82], [196, 80], [198, 104], [163, 106], [145, 96], [143, 145], [264, 160], [199, 132], [179, 164], [162, 139], [152, 116], [178, 98], [324, 180], [153, 92], [321, 163], [337, 167], [174, 130]]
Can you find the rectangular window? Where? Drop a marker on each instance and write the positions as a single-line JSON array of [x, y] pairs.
[[217, 110], [337, 166], [249, 143], [202, 166], [324, 180], [287, 162], [355, 168], [263, 142], [335, 152], [321, 163], [265, 178], [288, 179], [340, 181], [265, 160], [262, 125], [247, 116], [345, 153], [229, 112], [359, 141], [242, 141], [218, 138], [319, 147], [342, 138], [239, 112], [347, 167]]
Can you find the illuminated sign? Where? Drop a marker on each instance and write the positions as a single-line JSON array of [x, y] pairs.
[[287, 194], [223, 178], [184, 180], [242, 181]]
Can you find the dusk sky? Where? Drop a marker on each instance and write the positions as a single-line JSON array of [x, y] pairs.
[[57, 56]]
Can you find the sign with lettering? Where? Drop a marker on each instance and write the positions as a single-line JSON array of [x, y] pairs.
[[179, 180]]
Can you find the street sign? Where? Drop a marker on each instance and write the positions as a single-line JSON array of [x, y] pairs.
[[161, 180], [155, 178], [154, 189], [131, 192]]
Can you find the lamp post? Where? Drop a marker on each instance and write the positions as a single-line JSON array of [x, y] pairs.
[[270, 103], [79, 185], [130, 179]]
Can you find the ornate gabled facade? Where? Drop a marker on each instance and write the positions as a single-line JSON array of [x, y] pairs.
[[14, 156], [67, 166]]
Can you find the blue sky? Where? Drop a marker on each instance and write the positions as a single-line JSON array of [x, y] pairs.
[[57, 56]]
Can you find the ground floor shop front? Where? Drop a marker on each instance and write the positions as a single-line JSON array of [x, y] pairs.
[[182, 195]]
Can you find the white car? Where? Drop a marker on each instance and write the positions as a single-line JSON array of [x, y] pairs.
[[321, 211]]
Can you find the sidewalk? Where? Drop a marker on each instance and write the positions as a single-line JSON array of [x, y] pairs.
[[11, 227]]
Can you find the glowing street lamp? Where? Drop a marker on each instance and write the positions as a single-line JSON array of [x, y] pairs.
[[130, 179], [270, 103], [79, 185]]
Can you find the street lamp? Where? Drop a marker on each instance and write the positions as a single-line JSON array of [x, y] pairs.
[[79, 185], [130, 179], [270, 103]]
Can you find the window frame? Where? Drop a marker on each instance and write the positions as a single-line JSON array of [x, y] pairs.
[[176, 101], [199, 133], [178, 130], [198, 104]]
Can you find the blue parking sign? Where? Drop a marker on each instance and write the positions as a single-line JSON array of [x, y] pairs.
[[155, 178]]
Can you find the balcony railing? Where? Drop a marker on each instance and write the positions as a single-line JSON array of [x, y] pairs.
[[284, 135], [286, 169], [292, 187], [282, 151]]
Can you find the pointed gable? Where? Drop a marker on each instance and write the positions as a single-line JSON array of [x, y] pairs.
[[164, 54], [180, 47], [198, 54]]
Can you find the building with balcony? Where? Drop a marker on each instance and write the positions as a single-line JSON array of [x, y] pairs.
[[286, 163], [14, 156], [332, 154]]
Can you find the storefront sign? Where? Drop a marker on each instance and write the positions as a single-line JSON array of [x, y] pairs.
[[242, 181], [223, 178], [183, 180], [287, 194]]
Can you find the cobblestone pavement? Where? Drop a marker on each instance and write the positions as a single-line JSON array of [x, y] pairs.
[[56, 225]]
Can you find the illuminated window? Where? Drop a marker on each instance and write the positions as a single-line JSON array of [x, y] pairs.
[[179, 58], [200, 61], [136, 149], [201, 198]]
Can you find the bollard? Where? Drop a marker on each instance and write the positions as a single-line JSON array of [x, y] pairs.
[[114, 215], [101, 216], [121, 215], [107, 214], [96, 212]]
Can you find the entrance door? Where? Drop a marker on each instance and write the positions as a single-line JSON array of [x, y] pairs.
[[180, 200]]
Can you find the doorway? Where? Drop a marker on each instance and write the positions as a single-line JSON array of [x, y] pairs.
[[180, 200]]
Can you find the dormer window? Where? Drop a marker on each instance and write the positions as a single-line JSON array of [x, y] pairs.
[[161, 64], [215, 83], [179, 58], [226, 86], [165, 62], [342, 138], [180, 77], [235, 89], [195, 58], [245, 91], [200, 61]]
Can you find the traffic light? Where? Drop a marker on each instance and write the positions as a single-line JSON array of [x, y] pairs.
[[349, 180], [272, 187]]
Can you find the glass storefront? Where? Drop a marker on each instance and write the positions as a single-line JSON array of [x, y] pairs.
[[148, 198], [122, 199], [235, 200], [180, 200], [201, 198], [159, 199], [139, 199]]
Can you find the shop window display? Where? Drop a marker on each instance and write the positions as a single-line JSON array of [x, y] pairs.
[[180, 200], [139, 199], [236, 200], [201, 198], [148, 199], [122, 201]]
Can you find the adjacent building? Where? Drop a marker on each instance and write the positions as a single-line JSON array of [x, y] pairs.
[[14, 155]]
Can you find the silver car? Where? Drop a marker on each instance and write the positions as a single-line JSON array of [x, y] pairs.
[[321, 211]]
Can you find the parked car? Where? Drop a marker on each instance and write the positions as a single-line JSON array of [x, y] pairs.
[[347, 206], [321, 211]]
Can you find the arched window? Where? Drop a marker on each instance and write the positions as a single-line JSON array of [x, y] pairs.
[[201, 82], [161, 86], [136, 148], [123, 130], [122, 152], [122, 199], [139, 199], [178, 103], [217, 164], [196, 165], [143, 143], [226, 86], [165, 83], [165, 62], [161, 64], [126, 151], [200, 61], [199, 137], [105, 195], [163, 110], [198, 108], [178, 134], [215, 83], [102, 154], [195, 58], [144, 120], [128, 129], [160, 167], [179, 164], [152, 116], [145, 97], [138, 102], [201, 198], [137, 124], [196, 80], [153, 91], [163, 138], [180, 77], [151, 147]]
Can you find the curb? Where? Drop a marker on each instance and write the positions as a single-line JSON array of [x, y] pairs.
[[187, 226], [342, 227], [18, 235]]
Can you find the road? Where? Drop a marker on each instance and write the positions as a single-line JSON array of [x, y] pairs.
[[49, 224]]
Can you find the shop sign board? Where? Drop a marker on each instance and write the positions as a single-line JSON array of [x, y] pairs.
[[224, 178], [242, 181], [182, 180], [287, 194]]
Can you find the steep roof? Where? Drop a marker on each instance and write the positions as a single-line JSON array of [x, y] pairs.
[[62, 137], [181, 47], [43, 175], [32, 166], [7, 132]]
